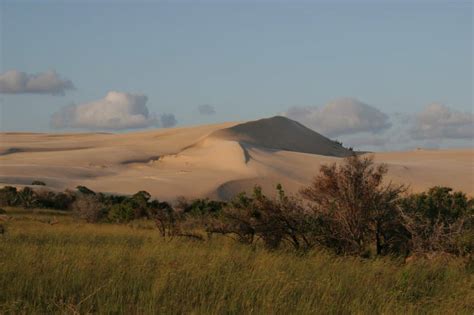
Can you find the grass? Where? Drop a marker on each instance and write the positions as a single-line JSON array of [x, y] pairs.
[[72, 267]]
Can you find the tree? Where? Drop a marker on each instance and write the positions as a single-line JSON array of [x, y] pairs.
[[353, 206]]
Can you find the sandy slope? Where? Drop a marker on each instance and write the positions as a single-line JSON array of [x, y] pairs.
[[214, 160]]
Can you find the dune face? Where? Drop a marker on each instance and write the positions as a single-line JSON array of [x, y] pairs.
[[281, 133], [215, 161]]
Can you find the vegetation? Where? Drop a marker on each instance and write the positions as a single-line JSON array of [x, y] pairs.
[[38, 183], [341, 246]]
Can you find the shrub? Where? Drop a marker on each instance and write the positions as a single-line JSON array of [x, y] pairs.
[[8, 196], [203, 207], [121, 213], [89, 208], [166, 219], [26, 198], [355, 210], [274, 221], [38, 182], [84, 190], [439, 220]]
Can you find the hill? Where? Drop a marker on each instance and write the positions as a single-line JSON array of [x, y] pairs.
[[211, 160]]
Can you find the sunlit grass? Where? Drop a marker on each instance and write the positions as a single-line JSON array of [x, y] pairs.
[[73, 267]]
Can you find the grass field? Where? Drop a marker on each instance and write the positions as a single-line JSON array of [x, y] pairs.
[[74, 267]]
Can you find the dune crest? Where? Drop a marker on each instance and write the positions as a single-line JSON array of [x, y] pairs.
[[281, 133]]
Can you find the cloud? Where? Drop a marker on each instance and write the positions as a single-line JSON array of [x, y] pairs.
[[116, 110], [206, 109], [168, 120], [340, 117], [438, 121], [49, 82]]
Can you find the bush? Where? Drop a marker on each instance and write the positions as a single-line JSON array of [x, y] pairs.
[[202, 207], [121, 213], [354, 209], [89, 208], [8, 196], [439, 220], [274, 221], [26, 198], [39, 183], [84, 190]]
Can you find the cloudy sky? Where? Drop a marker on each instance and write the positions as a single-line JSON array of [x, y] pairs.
[[378, 75]]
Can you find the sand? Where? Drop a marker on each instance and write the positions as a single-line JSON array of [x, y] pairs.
[[215, 161]]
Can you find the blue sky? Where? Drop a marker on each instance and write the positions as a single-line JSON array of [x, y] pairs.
[[247, 59]]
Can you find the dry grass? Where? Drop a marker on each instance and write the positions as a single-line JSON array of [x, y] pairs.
[[73, 267]]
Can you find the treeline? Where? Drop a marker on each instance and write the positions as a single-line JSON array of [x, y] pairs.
[[348, 209]]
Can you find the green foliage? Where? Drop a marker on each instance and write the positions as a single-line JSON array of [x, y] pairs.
[[439, 220], [121, 213], [203, 207], [440, 204]]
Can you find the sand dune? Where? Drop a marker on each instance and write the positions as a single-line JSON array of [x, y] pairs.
[[213, 160], [281, 133]]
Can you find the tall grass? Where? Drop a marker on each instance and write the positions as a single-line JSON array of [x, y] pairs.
[[72, 267]]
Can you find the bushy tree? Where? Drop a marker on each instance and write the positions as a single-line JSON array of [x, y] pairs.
[[354, 208], [439, 220]]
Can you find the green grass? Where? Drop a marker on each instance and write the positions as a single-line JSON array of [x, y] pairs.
[[73, 267]]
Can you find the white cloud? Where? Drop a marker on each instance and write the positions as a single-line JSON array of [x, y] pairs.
[[340, 117], [116, 110], [438, 121], [206, 109], [49, 82]]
